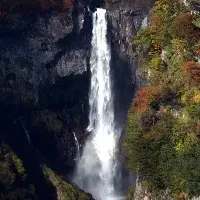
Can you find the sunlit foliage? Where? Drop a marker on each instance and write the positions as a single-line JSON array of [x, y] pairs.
[[162, 140]]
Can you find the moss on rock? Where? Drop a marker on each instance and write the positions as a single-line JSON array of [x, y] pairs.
[[65, 191]]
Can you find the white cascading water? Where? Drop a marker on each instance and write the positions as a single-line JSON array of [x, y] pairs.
[[77, 146], [96, 167]]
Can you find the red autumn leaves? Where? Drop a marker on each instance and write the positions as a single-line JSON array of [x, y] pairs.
[[184, 28], [192, 69], [143, 97]]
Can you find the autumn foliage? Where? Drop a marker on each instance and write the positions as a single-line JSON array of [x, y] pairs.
[[184, 28], [143, 97], [197, 51], [156, 22], [27, 7], [163, 127], [193, 69]]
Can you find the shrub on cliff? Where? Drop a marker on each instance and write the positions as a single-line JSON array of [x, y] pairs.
[[14, 183], [193, 70], [144, 97], [183, 27]]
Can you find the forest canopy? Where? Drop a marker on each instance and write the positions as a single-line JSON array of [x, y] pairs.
[[162, 139]]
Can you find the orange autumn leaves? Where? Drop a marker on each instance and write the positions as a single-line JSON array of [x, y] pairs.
[[144, 97], [184, 28], [192, 69]]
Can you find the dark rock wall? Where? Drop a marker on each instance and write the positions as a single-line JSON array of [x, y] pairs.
[[44, 83], [45, 67], [124, 18]]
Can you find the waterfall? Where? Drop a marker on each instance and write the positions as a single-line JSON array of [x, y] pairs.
[[77, 146], [25, 131], [96, 168]]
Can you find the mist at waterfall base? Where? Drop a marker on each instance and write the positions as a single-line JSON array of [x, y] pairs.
[[96, 170]]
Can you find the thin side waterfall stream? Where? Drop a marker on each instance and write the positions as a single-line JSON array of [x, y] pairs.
[[96, 167]]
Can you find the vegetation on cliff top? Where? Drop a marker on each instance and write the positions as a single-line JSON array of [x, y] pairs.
[[14, 12], [27, 7], [162, 139]]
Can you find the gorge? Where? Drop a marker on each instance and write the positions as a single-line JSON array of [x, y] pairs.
[[45, 81], [90, 93]]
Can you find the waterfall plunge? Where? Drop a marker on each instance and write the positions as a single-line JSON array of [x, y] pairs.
[[96, 167]]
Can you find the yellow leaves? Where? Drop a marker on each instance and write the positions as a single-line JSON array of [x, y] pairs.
[[155, 63], [186, 142], [196, 98], [179, 45], [156, 22], [161, 6], [191, 95], [179, 146]]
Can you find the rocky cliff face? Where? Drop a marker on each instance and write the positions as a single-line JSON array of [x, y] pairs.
[[45, 68], [44, 76], [43, 92], [125, 18]]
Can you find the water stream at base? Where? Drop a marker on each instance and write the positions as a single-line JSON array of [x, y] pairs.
[[96, 168]]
